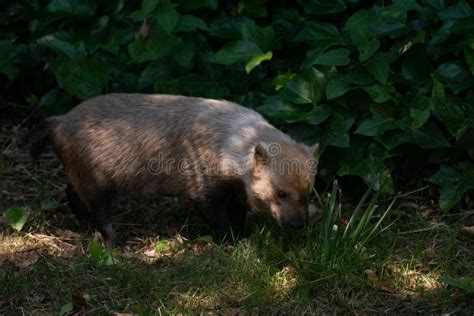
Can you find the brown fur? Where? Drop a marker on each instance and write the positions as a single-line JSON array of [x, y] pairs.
[[111, 145]]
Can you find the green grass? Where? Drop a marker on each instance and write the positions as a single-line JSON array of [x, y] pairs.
[[350, 260]]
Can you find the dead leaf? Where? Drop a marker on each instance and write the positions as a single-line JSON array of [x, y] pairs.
[[151, 253], [467, 231], [122, 314]]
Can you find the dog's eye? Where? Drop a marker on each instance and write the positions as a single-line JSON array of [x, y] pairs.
[[282, 194]]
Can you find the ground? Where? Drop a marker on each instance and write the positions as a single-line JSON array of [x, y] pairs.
[[56, 263]]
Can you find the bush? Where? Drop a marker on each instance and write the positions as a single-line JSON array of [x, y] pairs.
[[370, 82]]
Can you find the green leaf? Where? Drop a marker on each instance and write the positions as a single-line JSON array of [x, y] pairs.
[[74, 7], [111, 44], [367, 49], [187, 51], [255, 61], [463, 25], [470, 41], [276, 107], [324, 7], [420, 117], [420, 37], [438, 91], [189, 5], [454, 75], [382, 120], [142, 50], [58, 46], [17, 217], [442, 34], [429, 136], [238, 51], [465, 284], [358, 76], [376, 126], [452, 114], [281, 80], [469, 56], [390, 21], [453, 183], [336, 57], [66, 309], [161, 245], [358, 26], [318, 34], [167, 17], [336, 88], [407, 5], [393, 138], [83, 78], [189, 23], [334, 131], [254, 9], [318, 115], [100, 256], [378, 66], [199, 84], [450, 71], [362, 32], [151, 73], [458, 11], [6, 57], [307, 87], [148, 6], [367, 161], [262, 36], [420, 111], [56, 102], [378, 93]]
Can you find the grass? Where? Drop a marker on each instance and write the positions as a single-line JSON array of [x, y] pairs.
[[372, 256]]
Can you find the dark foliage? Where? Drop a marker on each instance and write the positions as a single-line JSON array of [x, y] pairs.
[[371, 81]]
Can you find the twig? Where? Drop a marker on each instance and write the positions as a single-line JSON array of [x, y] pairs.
[[423, 229]]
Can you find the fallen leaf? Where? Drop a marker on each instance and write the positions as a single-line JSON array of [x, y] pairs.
[[151, 253]]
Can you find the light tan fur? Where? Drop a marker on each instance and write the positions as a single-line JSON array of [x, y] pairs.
[[115, 142]]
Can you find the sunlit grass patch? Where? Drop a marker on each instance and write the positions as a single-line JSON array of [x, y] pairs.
[[353, 259]]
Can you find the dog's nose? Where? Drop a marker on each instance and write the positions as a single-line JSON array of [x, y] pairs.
[[296, 223]]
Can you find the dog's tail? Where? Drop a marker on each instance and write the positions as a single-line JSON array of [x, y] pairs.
[[40, 137]]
